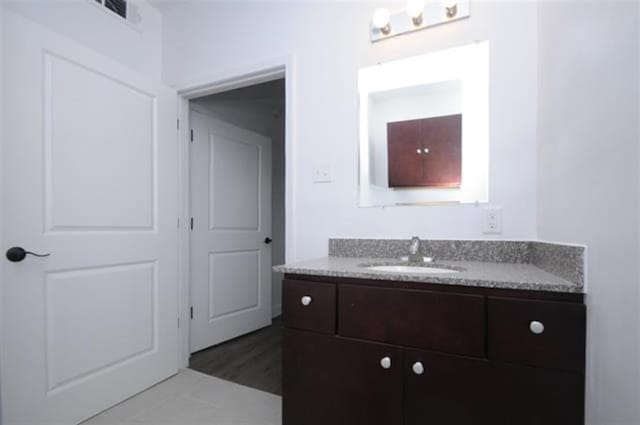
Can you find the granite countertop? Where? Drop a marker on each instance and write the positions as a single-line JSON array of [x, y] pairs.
[[523, 276]]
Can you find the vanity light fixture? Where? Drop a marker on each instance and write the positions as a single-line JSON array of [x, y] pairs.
[[417, 15], [381, 20]]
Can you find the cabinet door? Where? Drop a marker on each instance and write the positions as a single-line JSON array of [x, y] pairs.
[[446, 390], [404, 151], [534, 396], [337, 381], [368, 387], [308, 378], [442, 151]]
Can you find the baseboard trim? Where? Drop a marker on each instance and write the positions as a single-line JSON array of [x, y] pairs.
[[276, 310]]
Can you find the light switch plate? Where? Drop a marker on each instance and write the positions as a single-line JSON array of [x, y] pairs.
[[492, 220], [322, 173]]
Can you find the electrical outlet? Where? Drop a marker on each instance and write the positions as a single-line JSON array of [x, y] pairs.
[[492, 220], [322, 173]]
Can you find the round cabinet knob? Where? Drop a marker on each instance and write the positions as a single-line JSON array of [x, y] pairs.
[[385, 362], [536, 327], [419, 151], [306, 300], [426, 150], [418, 369]]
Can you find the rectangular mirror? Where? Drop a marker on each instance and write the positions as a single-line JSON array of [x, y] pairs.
[[424, 129]]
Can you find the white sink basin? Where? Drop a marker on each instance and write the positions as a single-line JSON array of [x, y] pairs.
[[411, 269]]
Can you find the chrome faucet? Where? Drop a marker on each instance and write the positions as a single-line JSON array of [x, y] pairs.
[[415, 256], [414, 250]]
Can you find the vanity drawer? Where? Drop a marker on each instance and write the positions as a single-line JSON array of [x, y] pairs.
[[537, 333], [452, 323], [309, 305]]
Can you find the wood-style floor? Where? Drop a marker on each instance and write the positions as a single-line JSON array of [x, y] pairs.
[[254, 360]]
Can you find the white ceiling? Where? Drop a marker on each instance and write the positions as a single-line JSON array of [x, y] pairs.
[[165, 5]]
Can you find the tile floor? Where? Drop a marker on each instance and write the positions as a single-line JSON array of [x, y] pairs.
[[192, 398]]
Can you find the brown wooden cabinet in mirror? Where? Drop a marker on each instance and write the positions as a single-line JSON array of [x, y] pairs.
[[425, 152]]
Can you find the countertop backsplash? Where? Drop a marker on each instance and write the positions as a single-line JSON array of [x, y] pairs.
[[563, 260]]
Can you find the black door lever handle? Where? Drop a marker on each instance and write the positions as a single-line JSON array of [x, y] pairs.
[[268, 240], [17, 254]]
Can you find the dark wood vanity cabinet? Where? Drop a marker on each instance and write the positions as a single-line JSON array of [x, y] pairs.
[[425, 152], [388, 353]]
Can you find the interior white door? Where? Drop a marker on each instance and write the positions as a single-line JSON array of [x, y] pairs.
[[231, 209], [89, 164]]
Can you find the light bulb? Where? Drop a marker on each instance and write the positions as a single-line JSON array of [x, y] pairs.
[[381, 19], [451, 7], [415, 8]]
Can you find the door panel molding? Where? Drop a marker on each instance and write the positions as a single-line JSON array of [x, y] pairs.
[[237, 277], [71, 196]]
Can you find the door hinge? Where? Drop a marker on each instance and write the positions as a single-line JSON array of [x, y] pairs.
[[178, 226], [191, 312], [178, 323], [191, 223], [178, 124], [192, 134]]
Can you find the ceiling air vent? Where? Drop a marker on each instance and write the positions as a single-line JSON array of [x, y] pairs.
[[117, 6], [122, 8]]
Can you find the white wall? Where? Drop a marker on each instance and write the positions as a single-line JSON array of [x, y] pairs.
[[258, 115], [588, 181], [278, 208], [106, 33], [330, 42], [251, 114]]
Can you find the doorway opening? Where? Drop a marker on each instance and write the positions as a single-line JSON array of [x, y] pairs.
[[237, 233]]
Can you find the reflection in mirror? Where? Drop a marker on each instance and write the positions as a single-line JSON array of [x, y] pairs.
[[424, 125], [415, 136]]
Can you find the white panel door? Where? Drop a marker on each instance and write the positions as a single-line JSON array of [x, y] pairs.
[[231, 208], [89, 163]]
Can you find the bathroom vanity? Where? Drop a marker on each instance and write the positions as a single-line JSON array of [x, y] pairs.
[[364, 347]]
